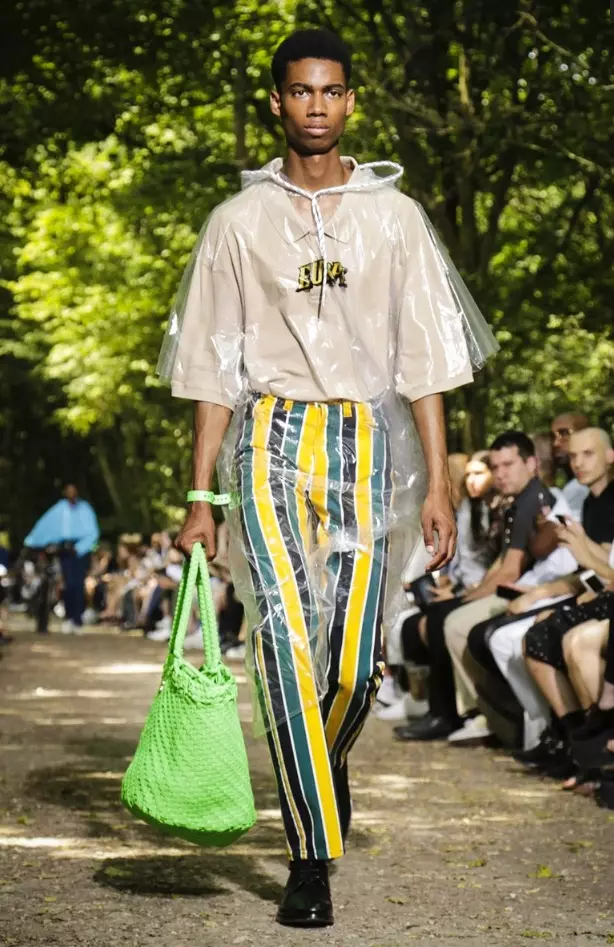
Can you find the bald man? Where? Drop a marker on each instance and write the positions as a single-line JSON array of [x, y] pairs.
[[591, 458], [561, 429]]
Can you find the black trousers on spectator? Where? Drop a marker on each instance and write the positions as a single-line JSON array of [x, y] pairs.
[[496, 699], [441, 687]]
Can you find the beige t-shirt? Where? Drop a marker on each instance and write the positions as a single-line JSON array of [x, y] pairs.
[[252, 312]]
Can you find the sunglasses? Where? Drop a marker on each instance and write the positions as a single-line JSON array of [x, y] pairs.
[[561, 432]]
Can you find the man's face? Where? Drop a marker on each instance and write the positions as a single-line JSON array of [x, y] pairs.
[[561, 430], [71, 493], [589, 457], [313, 105], [510, 472]]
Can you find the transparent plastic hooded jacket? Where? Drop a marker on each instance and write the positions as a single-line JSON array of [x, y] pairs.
[[337, 304]]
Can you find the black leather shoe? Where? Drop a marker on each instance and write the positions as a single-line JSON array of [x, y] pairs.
[[427, 728], [307, 901]]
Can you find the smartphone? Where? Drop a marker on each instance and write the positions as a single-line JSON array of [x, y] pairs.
[[562, 519], [509, 594], [591, 581]]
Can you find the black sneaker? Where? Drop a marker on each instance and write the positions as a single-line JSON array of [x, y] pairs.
[[427, 728], [560, 765], [542, 754], [597, 721], [605, 791], [307, 900]]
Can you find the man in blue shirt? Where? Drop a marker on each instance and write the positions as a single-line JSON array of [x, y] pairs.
[[71, 524]]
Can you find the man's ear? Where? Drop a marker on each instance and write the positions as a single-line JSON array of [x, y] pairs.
[[350, 104], [610, 456], [532, 465], [275, 101]]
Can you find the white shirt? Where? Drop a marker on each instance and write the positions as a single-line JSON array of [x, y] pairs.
[[575, 494]]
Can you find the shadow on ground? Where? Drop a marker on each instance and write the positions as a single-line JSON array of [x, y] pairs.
[[200, 874]]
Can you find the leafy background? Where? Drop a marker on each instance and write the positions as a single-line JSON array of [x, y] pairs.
[[122, 123]]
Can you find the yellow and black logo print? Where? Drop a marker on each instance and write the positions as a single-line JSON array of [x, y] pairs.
[[310, 275]]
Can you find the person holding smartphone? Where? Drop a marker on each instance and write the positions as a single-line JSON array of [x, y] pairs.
[[591, 457]]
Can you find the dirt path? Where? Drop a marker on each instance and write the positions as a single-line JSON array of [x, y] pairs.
[[448, 846]]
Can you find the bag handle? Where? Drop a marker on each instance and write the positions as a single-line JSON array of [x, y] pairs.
[[195, 575]]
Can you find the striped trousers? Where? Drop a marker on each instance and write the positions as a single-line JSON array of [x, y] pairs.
[[315, 483]]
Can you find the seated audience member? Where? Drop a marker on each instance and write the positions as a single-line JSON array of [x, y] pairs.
[[117, 577], [591, 456], [457, 465], [393, 701], [561, 429], [494, 656], [514, 466], [156, 616], [422, 634], [96, 581], [592, 743]]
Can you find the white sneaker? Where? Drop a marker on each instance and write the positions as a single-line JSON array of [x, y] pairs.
[[402, 708], [193, 641], [236, 654], [389, 692], [393, 711], [165, 624], [67, 627], [160, 634], [89, 616], [473, 729]]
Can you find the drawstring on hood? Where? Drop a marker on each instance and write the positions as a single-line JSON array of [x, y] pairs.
[[368, 181]]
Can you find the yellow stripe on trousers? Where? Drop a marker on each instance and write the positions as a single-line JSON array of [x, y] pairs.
[[297, 629], [363, 562]]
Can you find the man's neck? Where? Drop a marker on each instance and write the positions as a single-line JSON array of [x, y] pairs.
[[316, 172], [599, 486], [522, 489]]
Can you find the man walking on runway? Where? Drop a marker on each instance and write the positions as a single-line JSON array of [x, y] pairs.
[[317, 324]]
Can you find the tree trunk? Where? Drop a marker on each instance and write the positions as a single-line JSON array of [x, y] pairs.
[[108, 476]]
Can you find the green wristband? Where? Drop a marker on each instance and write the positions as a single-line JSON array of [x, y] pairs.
[[208, 496]]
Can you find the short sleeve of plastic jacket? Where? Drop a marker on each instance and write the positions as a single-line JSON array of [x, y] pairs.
[[442, 336], [202, 350]]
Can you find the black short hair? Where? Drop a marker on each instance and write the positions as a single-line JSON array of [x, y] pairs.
[[310, 44], [526, 447]]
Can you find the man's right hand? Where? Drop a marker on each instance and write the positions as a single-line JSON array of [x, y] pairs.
[[199, 527]]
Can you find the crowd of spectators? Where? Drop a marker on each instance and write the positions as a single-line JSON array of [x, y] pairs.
[[516, 633], [131, 584]]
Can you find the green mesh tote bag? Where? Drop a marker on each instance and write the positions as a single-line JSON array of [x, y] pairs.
[[189, 775]]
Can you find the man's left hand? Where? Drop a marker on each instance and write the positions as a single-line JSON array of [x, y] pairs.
[[438, 517]]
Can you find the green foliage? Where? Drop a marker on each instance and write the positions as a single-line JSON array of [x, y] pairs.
[[123, 125]]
